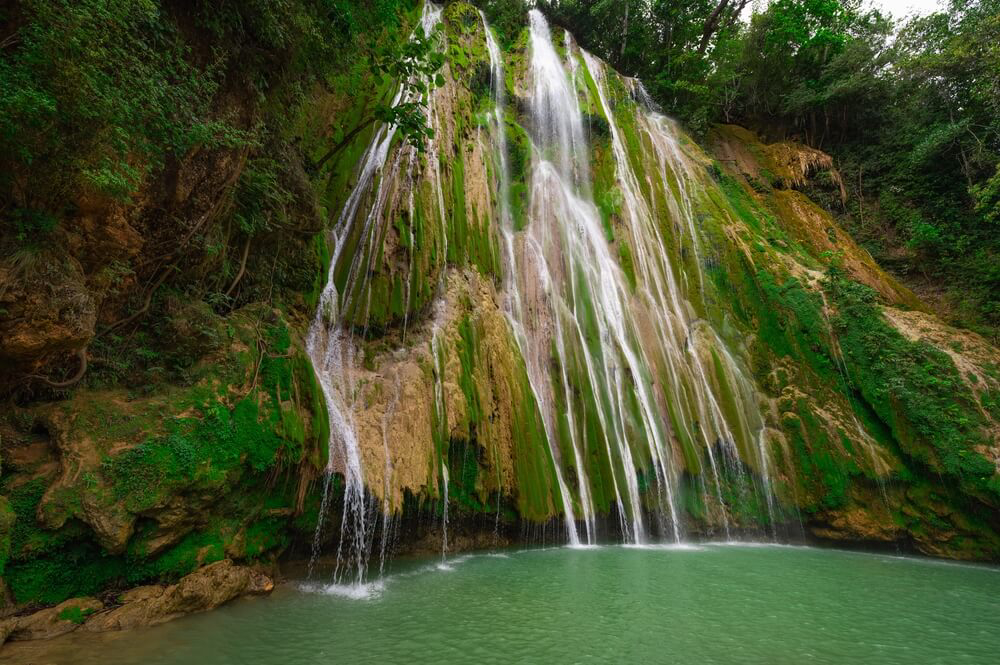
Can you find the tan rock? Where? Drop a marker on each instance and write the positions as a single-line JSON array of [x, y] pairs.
[[744, 155], [204, 589], [49, 310], [51, 622], [142, 593], [856, 523]]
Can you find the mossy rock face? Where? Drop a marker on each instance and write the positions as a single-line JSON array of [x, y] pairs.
[[439, 208], [878, 400], [124, 489], [458, 400]]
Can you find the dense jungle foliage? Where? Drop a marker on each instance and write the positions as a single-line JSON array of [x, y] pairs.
[[100, 94], [115, 107]]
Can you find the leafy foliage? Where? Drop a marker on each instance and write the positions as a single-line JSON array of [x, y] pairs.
[[96, 94]]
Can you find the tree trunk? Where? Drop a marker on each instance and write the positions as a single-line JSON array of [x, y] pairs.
[[735, 14], [711, 25], [317, 165], [621, 54]]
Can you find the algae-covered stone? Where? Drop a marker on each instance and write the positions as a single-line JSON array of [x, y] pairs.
[[150, 487], [52, 622]]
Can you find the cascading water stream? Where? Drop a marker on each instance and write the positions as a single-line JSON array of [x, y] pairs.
[[504, 217], [441, 422], [644, 351], [444, 513], [566, 248], [387, 514], [514, 305], [330, 341]]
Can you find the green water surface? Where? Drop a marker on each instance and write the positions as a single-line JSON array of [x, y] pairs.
[[705, 604]]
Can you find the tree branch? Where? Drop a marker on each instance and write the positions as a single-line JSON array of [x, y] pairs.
[[343, 143], [711, 25]]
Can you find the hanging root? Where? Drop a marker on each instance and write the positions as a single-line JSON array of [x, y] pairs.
[[73, 380], [243, 268]]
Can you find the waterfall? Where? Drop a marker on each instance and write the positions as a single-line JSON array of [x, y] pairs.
[[515, 307], [644, 397], [387, 515], [441, 428], [566, 252], [330, 342]]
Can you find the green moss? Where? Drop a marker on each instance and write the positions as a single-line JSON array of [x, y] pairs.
[[458, 224], [27, 538], [266, 535], [195, 452], [746, 506], [194, 550], [203, 449], [533, 464], [914, 388], [75, 614], [467, 351], [790, 321], [519, 164], [79, 569], [626, 262], [824, 477], [7, 520], [692, 498], [463, 475]]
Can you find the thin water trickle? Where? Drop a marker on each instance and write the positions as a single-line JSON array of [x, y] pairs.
[[387, 513], [444, 513], [441, 418], [330, 342]]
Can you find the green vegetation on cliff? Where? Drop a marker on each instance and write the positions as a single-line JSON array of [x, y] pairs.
[[232, 451]]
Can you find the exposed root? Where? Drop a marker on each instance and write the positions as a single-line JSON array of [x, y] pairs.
[[73, 380], [242, 270]]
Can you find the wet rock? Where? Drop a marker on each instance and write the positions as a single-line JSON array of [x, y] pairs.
[[51, 622], [856, 524], [111, 522], [48, 310], [204, 589]]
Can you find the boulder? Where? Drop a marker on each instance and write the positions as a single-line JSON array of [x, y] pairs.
[[204, 589]]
